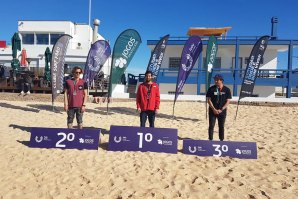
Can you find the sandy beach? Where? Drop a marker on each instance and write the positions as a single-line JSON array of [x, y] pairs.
[[54, 173]]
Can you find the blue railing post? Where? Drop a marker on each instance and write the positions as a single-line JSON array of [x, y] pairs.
[[200, 76], [289, 75], [235, 72]]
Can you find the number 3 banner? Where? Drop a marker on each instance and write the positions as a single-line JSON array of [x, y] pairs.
[[64, 138], [243, 150], [127, 138]]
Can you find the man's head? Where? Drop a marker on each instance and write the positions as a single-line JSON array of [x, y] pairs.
[[148, 76], [218, 79], [76, 72]]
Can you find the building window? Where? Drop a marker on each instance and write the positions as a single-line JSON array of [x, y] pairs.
[[217, 63], [27, 38], [42, 39], [247, 60], [174, 63], [54, 38]]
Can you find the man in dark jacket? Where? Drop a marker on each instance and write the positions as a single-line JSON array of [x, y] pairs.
[[218, 98], [148, 100]]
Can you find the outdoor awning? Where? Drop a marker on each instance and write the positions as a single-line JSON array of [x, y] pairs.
[[201, 31]]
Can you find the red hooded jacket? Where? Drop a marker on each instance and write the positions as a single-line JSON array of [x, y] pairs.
[[148, 96]]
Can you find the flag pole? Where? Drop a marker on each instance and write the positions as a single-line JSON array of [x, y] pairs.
[[237, 110]]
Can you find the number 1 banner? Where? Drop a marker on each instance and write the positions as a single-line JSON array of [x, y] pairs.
[[243, 150], [64, 138], [127, 138]]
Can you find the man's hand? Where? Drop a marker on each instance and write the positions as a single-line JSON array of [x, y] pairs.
[[66, 107], [215, 111], [139, 110], [156, 111], [83, 109]]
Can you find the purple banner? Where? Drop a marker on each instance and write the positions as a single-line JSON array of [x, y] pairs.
[[243, 150], [157, 56], [64, 138], [190, 53], [127, 138], [98, 54], [57, 65]]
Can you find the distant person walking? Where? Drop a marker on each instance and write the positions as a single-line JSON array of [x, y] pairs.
[[148, 100], [75, 98], [218, 98]]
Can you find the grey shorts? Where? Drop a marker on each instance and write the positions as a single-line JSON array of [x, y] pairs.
[[71, 114]]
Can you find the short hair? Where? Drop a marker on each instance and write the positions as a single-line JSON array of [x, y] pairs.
[[149, 72], [76, 68]]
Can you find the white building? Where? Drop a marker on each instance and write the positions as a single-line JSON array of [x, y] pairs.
[[269, 76], [36, 36]]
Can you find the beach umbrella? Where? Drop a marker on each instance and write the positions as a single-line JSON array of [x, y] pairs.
[[16, 45], [23, 58], [48, 58]]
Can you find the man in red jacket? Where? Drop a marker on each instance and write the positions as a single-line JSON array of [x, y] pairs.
[[148, 100]]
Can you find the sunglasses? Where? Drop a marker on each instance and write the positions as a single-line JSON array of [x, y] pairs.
[[77, 72]]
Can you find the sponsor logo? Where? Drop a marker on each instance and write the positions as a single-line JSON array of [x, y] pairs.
[[243, 152], [238, 151], [210, 67], [38, 139], [129, 48], [192, 150], [165, 142], [188, 65], [117, 140], [120, 62], [81, 140], [212, 55]]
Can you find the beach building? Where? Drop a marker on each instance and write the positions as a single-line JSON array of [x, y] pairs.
[[231, 60], [36, 36]]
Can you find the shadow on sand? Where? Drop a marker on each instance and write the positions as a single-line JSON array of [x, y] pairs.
[[23, 128], [5, 105], [47, 108]]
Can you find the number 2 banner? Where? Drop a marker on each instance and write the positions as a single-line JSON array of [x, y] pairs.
[[127, 138], [64, 138], [243, 150]]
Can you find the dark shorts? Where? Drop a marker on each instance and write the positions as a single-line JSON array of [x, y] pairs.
[[71, 114]]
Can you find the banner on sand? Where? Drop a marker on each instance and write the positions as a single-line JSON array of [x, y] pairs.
[[127, 138], [252, 69], [98, 54], [124, 49], [210, 59], [57, 65], [64, 138], [157, 56], [243, 150], [190, 53]]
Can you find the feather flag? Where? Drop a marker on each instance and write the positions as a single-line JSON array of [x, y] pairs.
[[190, 53], [98, 54], [157, 56], [252, 69], [57, 65]]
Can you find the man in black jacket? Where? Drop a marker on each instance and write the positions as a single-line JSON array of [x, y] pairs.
[[218, 98]]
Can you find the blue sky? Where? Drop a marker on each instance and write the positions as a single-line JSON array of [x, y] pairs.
[[155, 18]]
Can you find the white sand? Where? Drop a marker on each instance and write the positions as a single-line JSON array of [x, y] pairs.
[[54, 173]]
